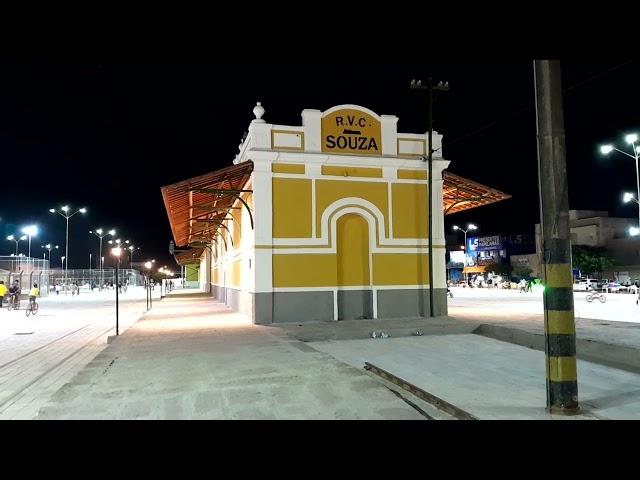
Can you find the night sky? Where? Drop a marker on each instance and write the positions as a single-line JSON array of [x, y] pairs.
[[108, 135]]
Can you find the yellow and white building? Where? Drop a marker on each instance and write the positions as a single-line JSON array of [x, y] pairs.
[[320, 222]]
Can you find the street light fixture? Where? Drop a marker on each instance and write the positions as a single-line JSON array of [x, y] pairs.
[[628, 197], [64, 212], [17, 240], [631, 139], [49, 247]]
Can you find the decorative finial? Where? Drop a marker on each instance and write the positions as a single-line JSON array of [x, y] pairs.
[[258, 111]]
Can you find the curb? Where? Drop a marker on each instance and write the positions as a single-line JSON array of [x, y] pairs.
[[616, 356]]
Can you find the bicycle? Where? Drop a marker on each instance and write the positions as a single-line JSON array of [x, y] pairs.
[[14, 303], [593, 295], [32, 308]]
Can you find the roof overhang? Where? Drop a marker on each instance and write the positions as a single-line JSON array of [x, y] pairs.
[[460, 194], [197, 207], [189, 257]]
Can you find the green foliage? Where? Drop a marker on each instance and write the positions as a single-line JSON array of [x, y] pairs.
[[590, 260], [499, 268], [522, 272]]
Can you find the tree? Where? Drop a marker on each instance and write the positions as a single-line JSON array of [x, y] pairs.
[[522, 271], [590, 260], [499, 268]]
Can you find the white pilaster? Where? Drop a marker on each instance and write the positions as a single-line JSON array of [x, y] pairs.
[[311, 121], [389, 133], [262, 216]]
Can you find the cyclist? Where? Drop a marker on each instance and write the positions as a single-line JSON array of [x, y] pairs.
[[14, 294], [35, 292]]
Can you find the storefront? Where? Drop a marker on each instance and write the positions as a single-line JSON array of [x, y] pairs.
[[321, 222]]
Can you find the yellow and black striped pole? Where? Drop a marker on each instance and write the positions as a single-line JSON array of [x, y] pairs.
[[559, 322]]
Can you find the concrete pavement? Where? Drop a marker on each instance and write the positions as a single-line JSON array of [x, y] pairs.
[[518, 318], [190, 358], [489, 379], [619, 307], [39, 354]]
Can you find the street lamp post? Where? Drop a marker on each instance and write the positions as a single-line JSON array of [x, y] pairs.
[[66, 215], [469, 228], [116, 251], [30, 231], [17, 240], [631, 139], [430, 88], [49, 247], [132, 249], [100, 234], [148, 266]]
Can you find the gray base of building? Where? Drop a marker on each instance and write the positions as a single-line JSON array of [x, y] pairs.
[[237, 300], [411, 303], [288, 307], [302, 307], [355, 304]]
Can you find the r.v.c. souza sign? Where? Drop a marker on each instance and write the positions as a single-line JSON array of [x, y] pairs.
[[352, 132]]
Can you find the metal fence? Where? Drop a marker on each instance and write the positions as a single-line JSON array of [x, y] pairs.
[[36, 270], [94, 277], [27, 271]]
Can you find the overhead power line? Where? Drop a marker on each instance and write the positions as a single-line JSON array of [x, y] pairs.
[[531, 105]]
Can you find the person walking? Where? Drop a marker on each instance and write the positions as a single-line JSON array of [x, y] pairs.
[[3, 291], [14, 293]]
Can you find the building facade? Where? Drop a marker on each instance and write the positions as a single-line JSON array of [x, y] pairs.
[[319, 222]]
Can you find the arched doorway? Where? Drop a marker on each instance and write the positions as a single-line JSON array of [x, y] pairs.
[[355, 299]]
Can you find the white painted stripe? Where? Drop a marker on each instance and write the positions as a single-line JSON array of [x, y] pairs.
[[348, 179], [333, 250], [356, 287], [375, 303], [335, 305], [313, 208], [346, 160], [390, 210]]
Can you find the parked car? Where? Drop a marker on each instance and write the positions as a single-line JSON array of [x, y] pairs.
[[613, 287], [583, 287]]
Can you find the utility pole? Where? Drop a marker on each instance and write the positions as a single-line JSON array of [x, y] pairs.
[[559, 321], [430, 88]]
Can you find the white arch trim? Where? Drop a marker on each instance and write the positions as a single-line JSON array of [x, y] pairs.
[[353, 107], [323, 239], [350, 205]]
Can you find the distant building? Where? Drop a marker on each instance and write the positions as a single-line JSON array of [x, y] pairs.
[[487, 250], [598, 229]]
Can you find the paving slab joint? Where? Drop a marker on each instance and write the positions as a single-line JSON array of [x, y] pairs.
[[437, 402]]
